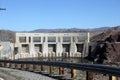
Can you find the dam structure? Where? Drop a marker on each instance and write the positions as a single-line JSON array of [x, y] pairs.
[[31, 45]]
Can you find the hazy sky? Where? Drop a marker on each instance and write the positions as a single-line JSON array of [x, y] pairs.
[[51, 14]]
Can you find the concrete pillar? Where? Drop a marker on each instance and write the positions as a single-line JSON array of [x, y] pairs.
[[31, 39], [88, 37], [61, 70], [75, 38], [27, 39], [45, 49], [71, 39], [41, 39], [19, 48], [61, 39], [17, 39], [32, 50], [73, 49], [57, 39], [59, 49]]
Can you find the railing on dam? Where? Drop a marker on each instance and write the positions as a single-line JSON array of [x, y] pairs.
[[112, 71]]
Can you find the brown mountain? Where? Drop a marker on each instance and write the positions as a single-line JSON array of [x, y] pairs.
[[7, 35]]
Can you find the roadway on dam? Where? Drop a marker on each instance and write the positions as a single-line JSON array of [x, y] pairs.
[[13, 74]]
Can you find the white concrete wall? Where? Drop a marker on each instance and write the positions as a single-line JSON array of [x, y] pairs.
[[73, 50]]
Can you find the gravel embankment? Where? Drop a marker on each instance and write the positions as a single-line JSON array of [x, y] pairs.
[[12, 74]]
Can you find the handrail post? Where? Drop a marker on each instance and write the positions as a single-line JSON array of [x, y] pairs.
[[42, 68], [5, 64], [35, 67], [2, 64], [73, 73], [15, 65], [51, 70], [10, 65], [113, 78], [22, 66], [89, 75], [61, 70], [27, 67]]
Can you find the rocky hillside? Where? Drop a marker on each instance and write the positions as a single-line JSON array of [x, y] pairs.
[[102, 36], [6, 35], [105, 47]]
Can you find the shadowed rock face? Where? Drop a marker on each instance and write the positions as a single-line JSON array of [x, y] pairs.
[[113, 52], [97, 52], [107, 51]]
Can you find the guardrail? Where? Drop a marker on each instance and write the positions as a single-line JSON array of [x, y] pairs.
[[97, 68]]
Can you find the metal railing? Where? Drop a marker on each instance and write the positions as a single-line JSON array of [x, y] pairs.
[[97, 68]]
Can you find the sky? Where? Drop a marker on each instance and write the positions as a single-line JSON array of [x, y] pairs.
[[27, 15]]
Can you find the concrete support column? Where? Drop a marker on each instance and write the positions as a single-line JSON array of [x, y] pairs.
[[73, 49], [17, 39], [75, 38], [45, 49], [59, 49], [71, 39], [41, 39], [27, 39], [57, 39], [19, 51], [31, 39], [88, 37], [32, 50], [61, 39]]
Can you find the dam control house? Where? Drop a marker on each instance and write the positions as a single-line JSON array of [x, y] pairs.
[[29, 45]]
